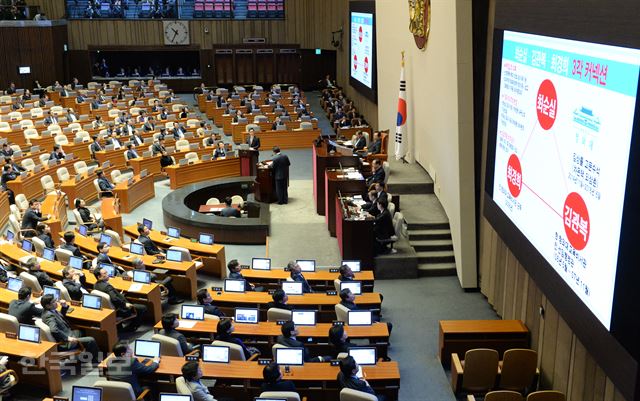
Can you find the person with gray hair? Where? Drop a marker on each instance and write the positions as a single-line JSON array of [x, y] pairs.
[[296, 275], [34, 269]]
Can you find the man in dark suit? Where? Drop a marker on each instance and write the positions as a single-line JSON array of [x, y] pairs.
[[204, 299], [340, 340], [22, 308], [378, 173], [131, 152], [376, 144], [280, 299], [149, 247], [106, 187], [346, 274], [223, 333], [234, 274], [382, 227], [289, 340], [57, 153], [44, 233], [273, 379], [67, 338], [136, 138], [95, 146], [103, 254], [8, 175], [347, 378], [73, 280], [280, 168], [253, 141], [169, 325], [124, 367], [138, 264], [69, 244], [360, 142], [220, 151], [34, 269], [51, 119], [192, 373], [296, 275], [6, 150], [229, 211], [32, 216], [122, 306]]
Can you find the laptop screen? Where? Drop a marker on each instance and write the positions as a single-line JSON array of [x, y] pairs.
[[10, 235], [148, 223], [51, 290], [244, 315], [147, 349], [292, 287], [307, 265], [215, 353], [173, 232], [363, 355], [27, 245], [175, 397], [111, 269], [81, 393], [353, 264], [174, 256], [290, 356], [105, 238], [354, 286], [261, 264], [82, 230], [234, 285], [75, 262], [205, 239], [49, 254], [136, 248], [304, 317], [91, 301], [359, 318], [14, 284], [29, 333], [141, 276], [192, 312]]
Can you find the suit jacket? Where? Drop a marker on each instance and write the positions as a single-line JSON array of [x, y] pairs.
[[96, 147], [383, 225], [219, 153], [280, 385], [132, 154], [233, 340], [149, 246], [127, 370], [377, 176], [57, 156], [230, 212], [354, 383], [213, 310], [31, 219], [280, 167], [117, 299], [50, 120], [24, 310], [7, 152], [306, 288], [184, 345], [239, 276], [48, 241], [103, 258], [360, 143], [6, 177], [73, 249], [157, 148], [104, 184], [74, 289], [375, 146], [199, 391], [42, 277], [255, 143], [279, 305], [137, 139], [291, 343], [60, 328]]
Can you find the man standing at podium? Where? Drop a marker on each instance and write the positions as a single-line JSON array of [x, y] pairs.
[[280, 168]]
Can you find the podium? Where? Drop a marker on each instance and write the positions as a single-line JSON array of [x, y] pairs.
[[265, 184], [248, 162]]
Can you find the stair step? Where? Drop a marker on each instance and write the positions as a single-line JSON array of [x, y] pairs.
[[432, 245], [427, 225], [420, 235], [435, 257], [436, 269], [410, 188]]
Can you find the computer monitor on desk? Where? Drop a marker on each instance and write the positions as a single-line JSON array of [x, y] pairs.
[[205, 239], [75, 262], [292, 287], [353, 264], [105, 238], [175, 397], [231, 285], [290, 356], [192, 312], [363, 355], [14, 284], [82, 393], [261, 264], [147, 349], [306, 265], [29, 333], [354, 286], [136, 248], [215, 354], [304, 317]]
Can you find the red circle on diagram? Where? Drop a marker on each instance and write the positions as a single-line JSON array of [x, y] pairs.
[[355, 62], [576, 221], [360, 34], [366, 64], [547, 104], [514, 175]]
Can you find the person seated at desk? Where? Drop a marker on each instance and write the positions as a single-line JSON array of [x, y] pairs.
[[69, 244], [33, 266], [156, 106], [179, 131], [184, 113], [346, 274], [348, 300], [57, 153], [275, 124], [19, 104], [234, 273], [131, 152], [67, 338], [135, 138], [11, 89], [343, 123], [302, 113], [43, 231], [149, 246], [253, 106], [238, 116], [103, 254], [201, 130], [382, 227], [347, 378], [72, 117], [360, 141], [106, 187], [26, 95], [86, 215], [158, 148], [50, 119], [6, 150], [378, 175], [223, 333], [95, 146], [123, 307], [192, 374], [211, 140], [204, 299], [295, 272], [253, 141], [149, 125], [164, 115], [229, 211], [124, 367], [273, 379], [74, 281], [32, 216], [113, 140], [142, 117], [339, 339], [22, 308], [8, 175], [220, 152], [169, 325], [289, 340], [173, 299], [278, 107], [375, 146]]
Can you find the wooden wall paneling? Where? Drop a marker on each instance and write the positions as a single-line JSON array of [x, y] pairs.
[[79, 65], [563, 356], [206, 66], [509, 288], [223, 70], [265, 66], [244, 66], [54, 9], [548, 335], [288, 66]]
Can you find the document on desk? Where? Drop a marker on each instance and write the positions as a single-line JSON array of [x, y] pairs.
[[135, 287], [187, 324], [354, 175]]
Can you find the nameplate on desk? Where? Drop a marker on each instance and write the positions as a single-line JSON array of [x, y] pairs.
[[337, 323], [334, 270], [332, 292], [271, 291], [126, 278], [281, 322], [60, 399], [160, 271], [245, 267], [191, 358], [76, 303], [216, 289], [335, 363], [264, 361], [11, 335]]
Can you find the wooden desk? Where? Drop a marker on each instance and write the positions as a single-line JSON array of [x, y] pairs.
[[319, 280], [44, 370], [84, 189], [152, 164], [180, 176], [31, 186], [288, 139], [459, 336], [265, 184], [4, 208], [115, 157], [335, 183], [355, 236], [111, 215], [321, 161], [55, 205], [212, 256], [351, 131], [323, 303], [132, 196]]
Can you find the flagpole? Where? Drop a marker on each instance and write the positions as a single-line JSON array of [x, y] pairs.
[[401, 139]]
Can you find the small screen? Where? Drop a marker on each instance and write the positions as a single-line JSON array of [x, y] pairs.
[[307, 265], [14, 284], [234, 285], [289, 356], [141, 276], [244, 315], [80, 393], [49, 254], [82, 230], [174, 256], [192, 312], [215, 353], [205, 239], [24, 70], [27, 245], [292, 287], [148, 223], [304, 317], [261, 264], [29, 333], [359, 318], [111, 269], [105, 238], [173, 232], [147, 349], [75, 262], [91, 301], [354, 286], [10, 235], [136, 248], [353, 264], [363, 355], [175, 397], [52, 290]]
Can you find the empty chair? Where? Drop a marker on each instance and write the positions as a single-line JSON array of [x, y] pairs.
[[260, 119], [518, 370], [30, 133], [63, 174], [236, 353], [80, 167], [278, 395], [193, 123], [275, 314], [305, 125], [24, 124], [54, 129], [168, 346], [75, 127], [255, 127], [15, 116], [14, 225], [114, 175], [31, 281], [13, 209], [176, 107], [547, 395], [44, 158], [36, 112], [191, 157], [341, 312], [182, 145], [5, 126], [38, 245], [392, 209], [48, 185], [84, 135], [113, 113], [8, 323], [28, 164], [61, 140], [501, 395], [349, 394], [237, 200], [118, 391], [213, 201], [477, 373]]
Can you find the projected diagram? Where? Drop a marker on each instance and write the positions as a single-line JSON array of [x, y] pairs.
[[562, 149], [362, 47]]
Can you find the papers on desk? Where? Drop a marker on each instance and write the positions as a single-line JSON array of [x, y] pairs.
[[347, 143], [187, 324], [359, 202], [135, 287], [354, 175]]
